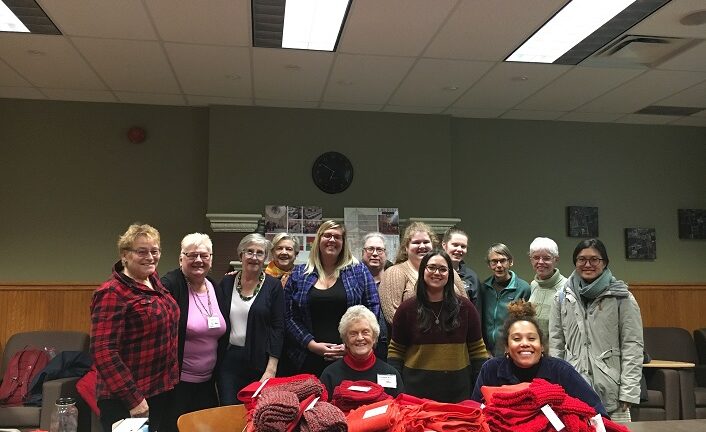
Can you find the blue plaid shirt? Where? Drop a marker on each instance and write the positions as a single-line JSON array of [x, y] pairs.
[[360, 290]]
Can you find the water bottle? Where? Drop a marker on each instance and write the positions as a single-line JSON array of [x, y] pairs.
[[65, 416]]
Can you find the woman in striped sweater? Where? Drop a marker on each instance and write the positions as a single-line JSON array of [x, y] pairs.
[[437, 344]]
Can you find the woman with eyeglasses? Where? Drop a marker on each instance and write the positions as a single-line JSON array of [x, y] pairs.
[[254, 306], [202, 326], [134, 335], [595, 324], [544, 256], [437, 345], [318, 294], [399, 281]]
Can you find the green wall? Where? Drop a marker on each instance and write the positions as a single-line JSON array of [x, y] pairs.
[[73, 182]]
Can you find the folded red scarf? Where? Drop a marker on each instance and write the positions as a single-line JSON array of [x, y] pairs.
[[246, 394], [346, 399], [275, 411], [375, 417]]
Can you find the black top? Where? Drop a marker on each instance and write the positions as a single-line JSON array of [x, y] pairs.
[[265, 331], [327, 306]]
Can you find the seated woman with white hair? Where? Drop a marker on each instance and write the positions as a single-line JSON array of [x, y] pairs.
[[359, 331], [544, 255]]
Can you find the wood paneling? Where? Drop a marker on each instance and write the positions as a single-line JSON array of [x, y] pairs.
[[44, 307], [671, 305], [26, 307]]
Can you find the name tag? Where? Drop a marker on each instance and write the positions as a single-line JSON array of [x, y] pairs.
[[214, 322], [387, 380]]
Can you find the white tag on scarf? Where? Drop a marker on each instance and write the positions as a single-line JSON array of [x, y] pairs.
[[553, 418], [597, 422], [360, 388], [257, 392], [376, 411], [311, 405]]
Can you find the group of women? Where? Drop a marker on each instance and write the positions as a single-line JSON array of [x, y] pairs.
[[184, 343]]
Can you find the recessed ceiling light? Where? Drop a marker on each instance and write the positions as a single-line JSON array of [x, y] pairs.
[[520, 78], [450, 88], [9, 21]]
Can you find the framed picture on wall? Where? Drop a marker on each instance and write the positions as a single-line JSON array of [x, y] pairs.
[[640, 243], [582, 221], [692, 223]]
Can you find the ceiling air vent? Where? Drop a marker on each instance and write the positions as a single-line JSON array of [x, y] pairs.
[[636, 50]]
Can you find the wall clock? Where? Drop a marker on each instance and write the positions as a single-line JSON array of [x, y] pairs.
[[332, 172]]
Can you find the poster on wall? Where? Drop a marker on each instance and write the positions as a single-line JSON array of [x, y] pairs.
[[640, 243], [362, 220], [692, 223], [298, 221]]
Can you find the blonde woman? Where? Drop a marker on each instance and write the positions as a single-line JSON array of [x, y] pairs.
[[317, 295], [399, 282]]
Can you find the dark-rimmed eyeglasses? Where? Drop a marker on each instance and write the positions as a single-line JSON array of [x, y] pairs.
[[205, 256], [144, 253], [373, 249], [592, 260], [432, 268]]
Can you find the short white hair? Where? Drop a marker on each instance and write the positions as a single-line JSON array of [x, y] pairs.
[[285, 236], [368, 236], [196, 239], [544, 244], [358, 313]]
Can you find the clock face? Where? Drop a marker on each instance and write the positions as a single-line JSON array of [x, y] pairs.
[[332, 172]]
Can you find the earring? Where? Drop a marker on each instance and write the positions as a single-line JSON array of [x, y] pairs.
[[507, 355]]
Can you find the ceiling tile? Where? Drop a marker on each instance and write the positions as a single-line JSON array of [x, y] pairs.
[[489, 30], [286, 103], [475, 112], [124, 19], [693, 59], [577, 87], [643, 91], [48, 61], [645, 119], [692, 97], [138, 66], [10, 78], [690, 121], [591, 117], [532, 115], [284, 74], [413, 109], [212, 71], [508, 84], [151, 98], [80, 95], [438, 83], [666, 21], [350, 107], [215, 100], [365, 79], [218, 22], [21, 93], [392, 27]]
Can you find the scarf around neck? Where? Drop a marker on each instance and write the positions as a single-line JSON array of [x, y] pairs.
[[359, 365], [599, 286], [275, 271]]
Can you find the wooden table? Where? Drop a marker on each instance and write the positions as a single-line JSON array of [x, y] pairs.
[[686, 384]]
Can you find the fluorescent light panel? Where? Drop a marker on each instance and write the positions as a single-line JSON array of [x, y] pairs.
[[313, 24], [9, 21], [576, 21]]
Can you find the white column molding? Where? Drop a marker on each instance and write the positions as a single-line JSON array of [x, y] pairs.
[[233, 222], [438, 225]]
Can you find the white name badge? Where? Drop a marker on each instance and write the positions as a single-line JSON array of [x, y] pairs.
[[387, 380], [214, 322]]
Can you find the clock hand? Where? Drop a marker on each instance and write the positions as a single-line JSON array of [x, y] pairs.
[[326, 166]]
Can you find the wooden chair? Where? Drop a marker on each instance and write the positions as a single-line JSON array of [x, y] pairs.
[[231, 418]]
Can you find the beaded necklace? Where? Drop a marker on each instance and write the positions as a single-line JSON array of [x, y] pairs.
[[239, 287], [202, 308]]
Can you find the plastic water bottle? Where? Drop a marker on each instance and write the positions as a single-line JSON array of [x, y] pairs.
[[65, 416]]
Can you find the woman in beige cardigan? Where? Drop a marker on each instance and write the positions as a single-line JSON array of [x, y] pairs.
[[399, 281]]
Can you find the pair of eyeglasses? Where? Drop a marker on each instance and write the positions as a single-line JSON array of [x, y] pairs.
[[372, 249], [495, 262], [205, 256], [144, 253], [431, 268], [254, 254], [329, 236], [592, 260], [542, 259]]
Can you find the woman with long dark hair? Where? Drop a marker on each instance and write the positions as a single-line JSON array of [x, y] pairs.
[[436, 343]]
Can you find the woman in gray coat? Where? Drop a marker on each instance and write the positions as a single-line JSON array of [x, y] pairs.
[[595, 325]]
